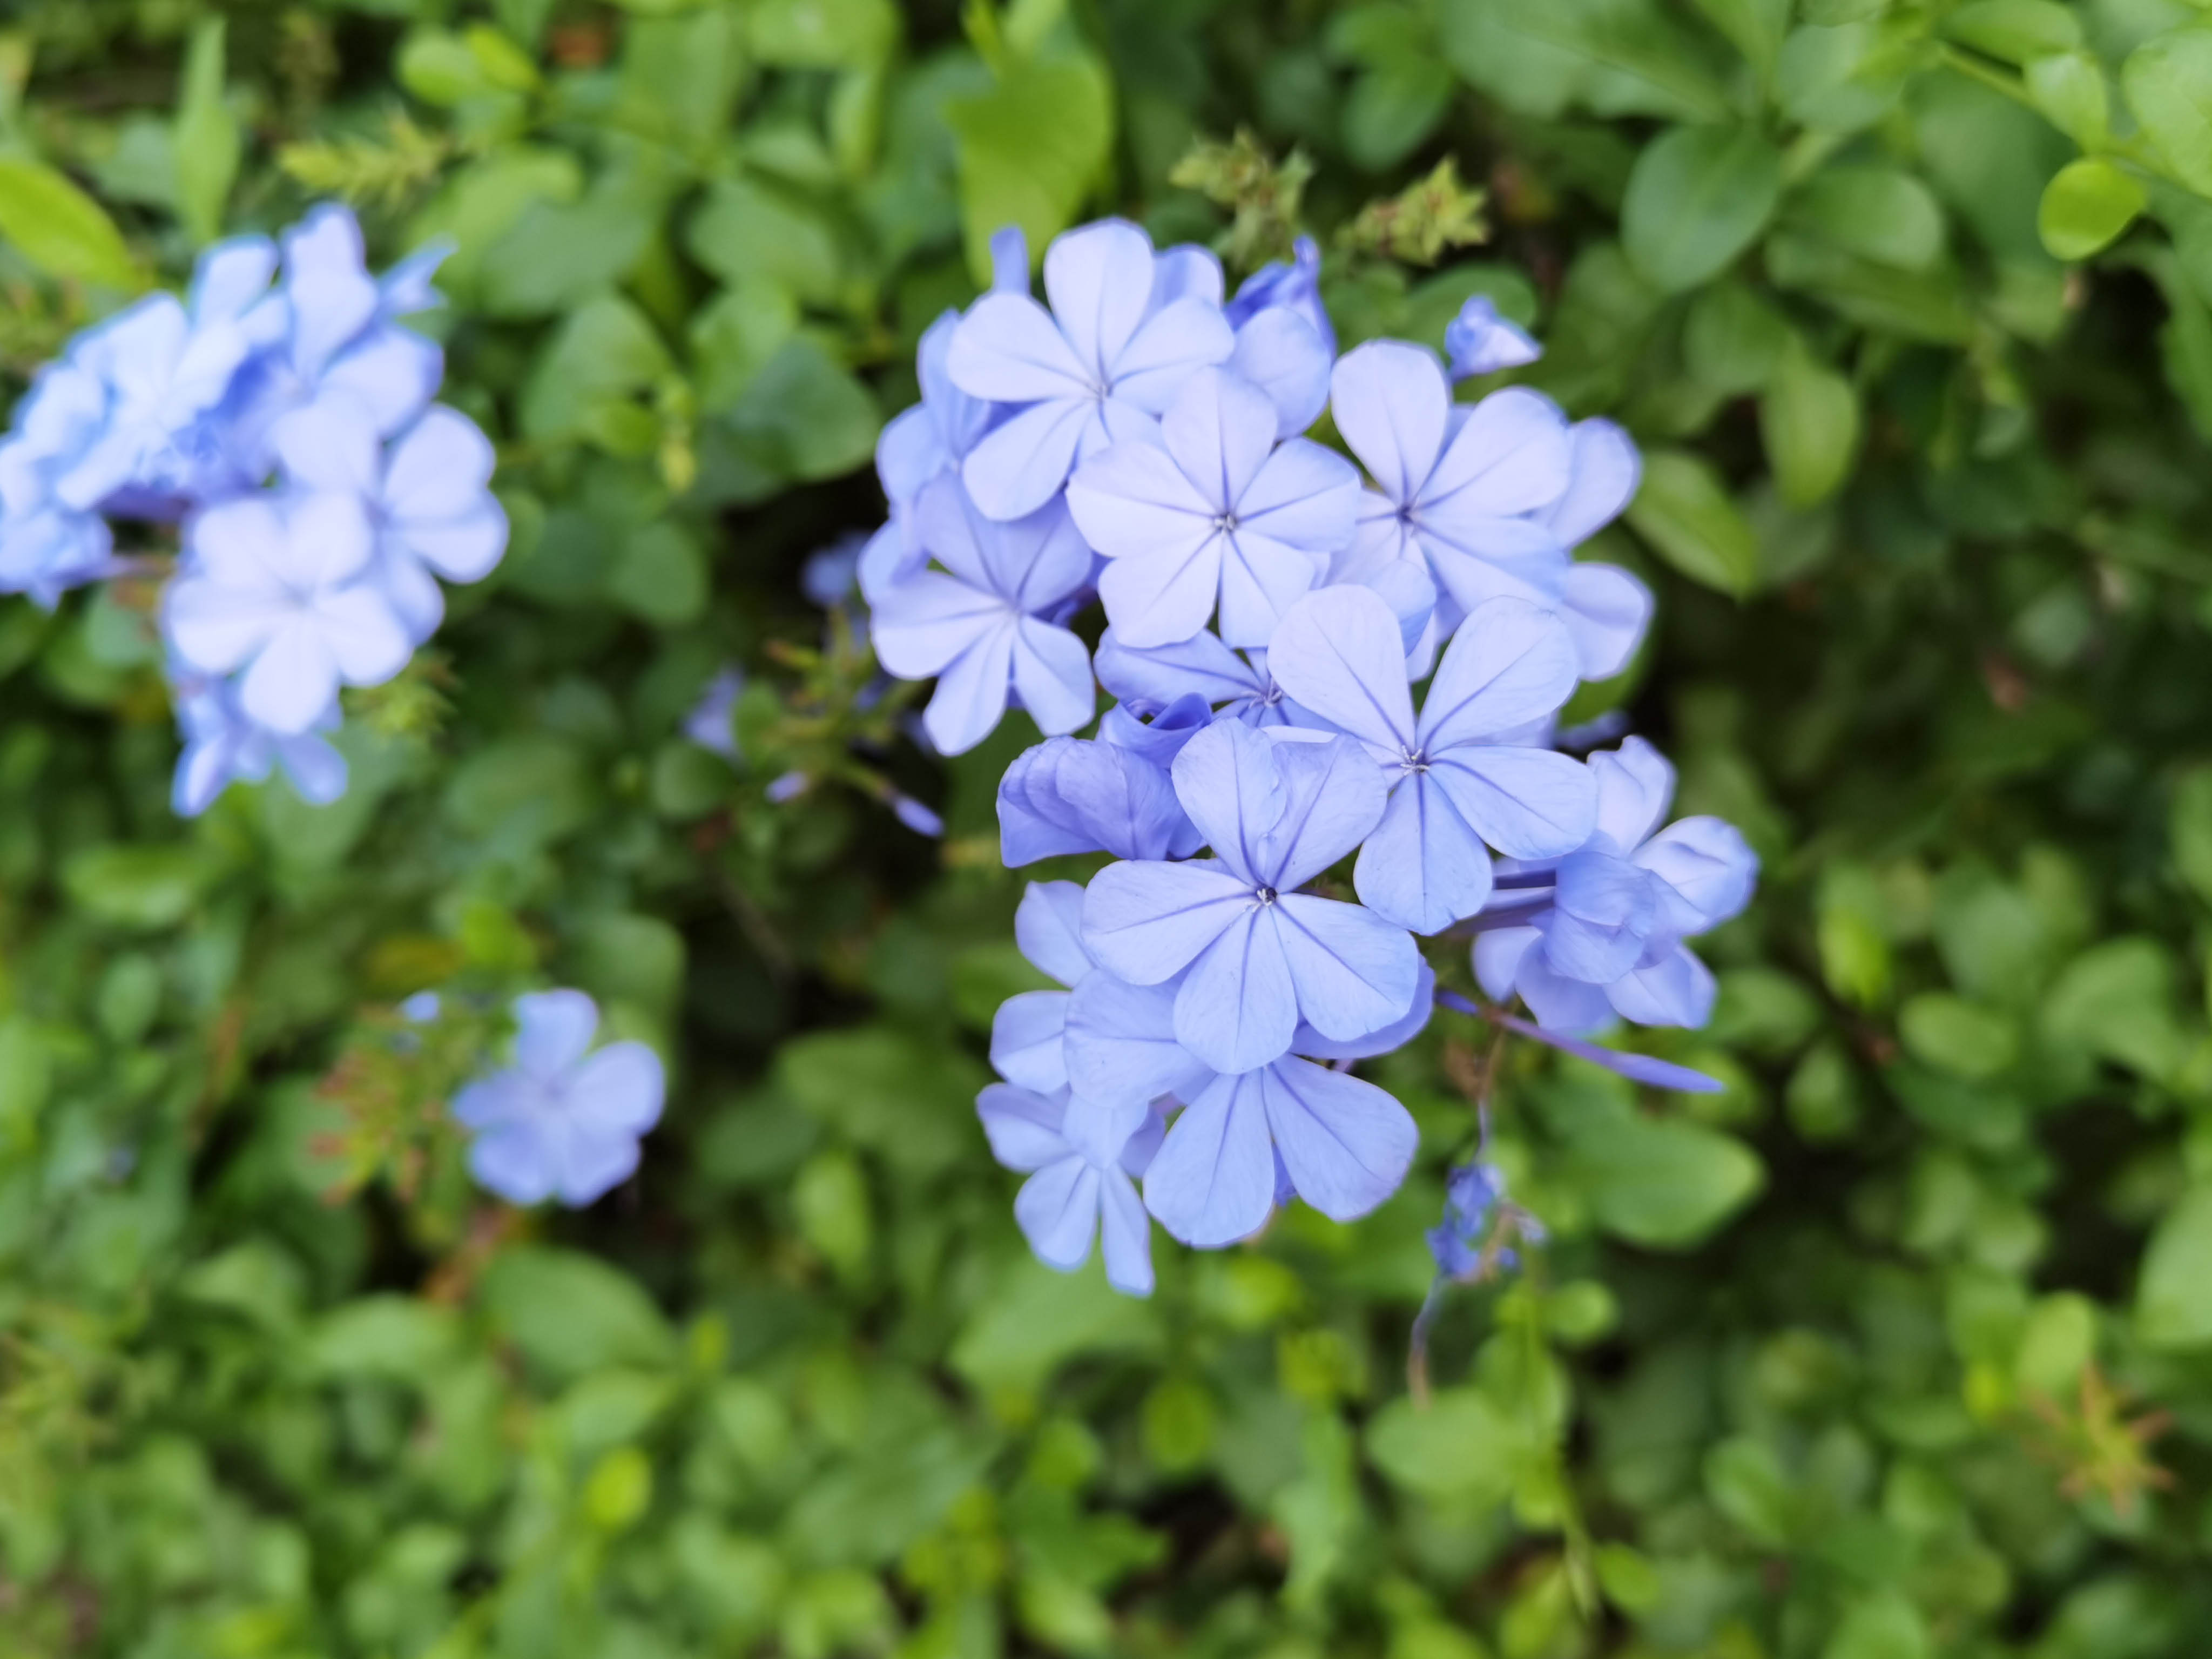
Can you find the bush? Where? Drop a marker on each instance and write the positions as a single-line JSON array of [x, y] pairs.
[[1896, 1346]]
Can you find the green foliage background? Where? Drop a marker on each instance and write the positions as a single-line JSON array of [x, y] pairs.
[[1901, 1347]]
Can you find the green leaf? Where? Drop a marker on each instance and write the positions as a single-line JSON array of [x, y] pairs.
[[1924, 305], [803, 416], [2116, 1000], [2173, 1298], [2068, 87], [207, 142], [1878, 213], [1393, 108], [391, 1336], [569, 1313], [1959, 1036], [1698, 197], [1744, 1480], [2016, 31], [145, 888], [1684, 511], [2168, 84], [1029, 150], [1809, 419], [822, 34], [1660, 1183], [1754, 28], [1733, 339], [2188, 828], [1881, 1626], [661, 575], [910, 1101], [1034, 1320], [747, 231], [601, 359], [1643, 60], [2086, 206], [60, 229], [1460, 1448]]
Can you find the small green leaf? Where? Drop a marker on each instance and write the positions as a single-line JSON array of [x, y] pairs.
[[1809, 419], [1460, 1447], [1958, 1036], [822, 34], [2085, 206], [2116, 1000], [2068, 88], [569, 1313], [2173, 1300], [1684, 511], [1660, 1183], [207, 142], [2188, 828], [140, 887], [1883, 1626], [1029, 150], [1744, 1480], [2168, 84], [60, 229], [2015, 30], [1697, 198], [1880, 213], [1732, 338]]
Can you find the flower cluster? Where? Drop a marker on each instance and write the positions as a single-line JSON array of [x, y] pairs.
[[1271, 608], [280, 418]]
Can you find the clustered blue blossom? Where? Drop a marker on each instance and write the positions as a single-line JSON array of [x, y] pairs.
[[1271, 608], [280, 418]]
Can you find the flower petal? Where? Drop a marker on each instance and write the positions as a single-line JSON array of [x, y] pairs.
[[971, 691], [1022, 1126], [1144, 923], [1355, 973], [1018, 467], [553, 1029], [1341, 654], [1174, 344], [1391, 400], [1423, 868], [1121, 1044], [1607, 611], [1603, 472], [1509, 665], [1052, 671], [1238, 1006], [1332, 797], [1525, 803], [1125, 1233], [1213, 1179], [1346, 1144], [1057, 1209], [1228, 781], [1048, 929], [1008, 349], [1025, 1040], [1220, 429], [1676, 989], [1278, 352], [1099, 279]]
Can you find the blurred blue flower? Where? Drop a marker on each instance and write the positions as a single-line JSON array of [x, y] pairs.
[[1480, 342], [979, 623], [280, 589], [1077, 795], [427, 496], [1472, 1194], [935, 436], [708, 724], [1213, 511], [560, 1122], [223, 745], [1600, 932], [1458, 776], [1095, 369], [1026, 1032], [1260, 954]]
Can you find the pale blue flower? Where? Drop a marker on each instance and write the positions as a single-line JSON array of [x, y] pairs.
[[279, 589], [1096, 369], [830, 576], [1295, 287], [1278, 352], [1473, 1192], [560, 1122], [1457, 776], [1242, 1144], [1235, 682], [710, 723], [1010, 260], [1600, 932], [1158, 732], [1480, 342], [1073, 795], [1605, 608], [922, 820], [1260, 955], [1214, 512], [223, 745], [427, 495], [1026, 1032], [423, 1007], [979, 623], [934, 436], [1080, 1162]]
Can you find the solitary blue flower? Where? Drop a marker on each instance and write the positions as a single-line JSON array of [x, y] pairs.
[[1073, 795], [427, 496], [280, 589], [1480, 342], [1599, 933], [560, 1122], [1458, 776], [1080, 1162], [982, 625], [1260, 955], [1213, 511], [710, 723], [1096, 369]]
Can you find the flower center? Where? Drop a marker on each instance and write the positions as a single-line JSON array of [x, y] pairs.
[[1265, 895], [1413, 760], [1225, 522]]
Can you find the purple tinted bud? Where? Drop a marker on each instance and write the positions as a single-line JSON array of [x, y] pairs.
[[1480, 342], [788, 787], [916, 817]]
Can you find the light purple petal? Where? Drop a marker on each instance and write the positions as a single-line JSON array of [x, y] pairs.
[[1606, 611], [1305, 496], [1604, 470], [1497, 955], [1052, 671], [1019, 466], [970, 697], [1355, 973], [592, 1163], [392, 372], [1332, 797], [1175, 342], [553, 1029], [1022, 1126], [1238, 1006], [1025, 1040], [1099, 279], [1048, 928], [331, 444], [1341, 654], [1560, 1004], [365, 641], [1099, 1131], [1228, 781], [1525, 803], [1132, 498], [291, 679], [1391, 401], [513, 1161], [1220, 429], [1144, 923], [1706, 862], [1057, 1209], [1126, 1234], [1010, 260], [1635, 783], [1509, 456], [1213, 1180], [1278, 352], [1186, 271], [1165, 597], [1423, 868], [1261, 579], [1008, 349], [1397, 1035], [1509, 664], [909, 454], [1676, 989], [1346, 1143], [1159, 674], [618, 1089], [1121, 1044], [924, 624]]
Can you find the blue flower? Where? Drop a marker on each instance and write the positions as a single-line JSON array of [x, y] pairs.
[[1244, 1143], [1604, 607], [223, 745], [1237, 683], [1599, 933], [1458, 777], [1295, 288], [1026, 1032], [935, 436], [1095, 369], [1073, 795], [1260, 955], [1459, 489], [560, 1122], [708, 724], [46, 545], [280, 590], [1217, 511], [1080, 1162], [1480, 342], [1475, 1196], [427, 495], [980, 624]]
